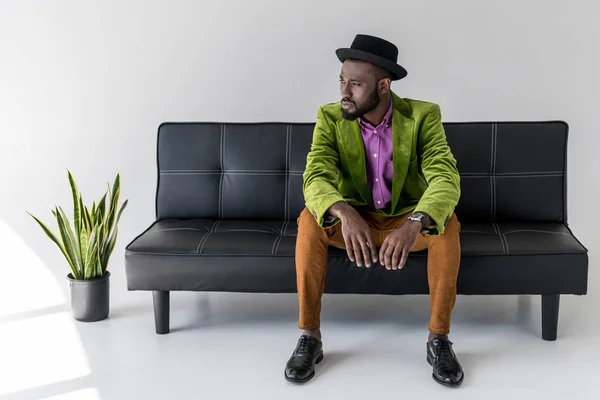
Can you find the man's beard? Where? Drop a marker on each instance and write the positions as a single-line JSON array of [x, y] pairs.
[[371, 103]]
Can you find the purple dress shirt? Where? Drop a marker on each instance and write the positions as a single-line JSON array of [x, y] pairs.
[[378, 156]]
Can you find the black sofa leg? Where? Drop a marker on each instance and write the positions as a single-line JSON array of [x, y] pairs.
[[550, 305], [161, 311]]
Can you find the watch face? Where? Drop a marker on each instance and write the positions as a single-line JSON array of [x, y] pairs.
[[416, 216]]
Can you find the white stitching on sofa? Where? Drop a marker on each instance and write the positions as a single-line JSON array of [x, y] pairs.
[[177, 229], [222, 145], [284, 230], [535, 173], [537, 231], [201, 242], [278, 238], [532, 174], [287, 176], [491, 175], [249, 230], [540, 175], [501, 237], [276, 245], [206, 235], [494, 199]]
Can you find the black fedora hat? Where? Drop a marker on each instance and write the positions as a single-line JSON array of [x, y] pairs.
[[376, 51]]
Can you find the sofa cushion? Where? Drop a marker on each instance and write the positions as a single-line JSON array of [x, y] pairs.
[[258, 256]]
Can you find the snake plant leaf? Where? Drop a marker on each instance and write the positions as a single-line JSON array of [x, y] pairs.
[[53, 237], [93, 252], [66, 234], [86, 217], [73, 234], [83, 248], [76, 205], [110, 245], [102, 237], [114, 203], [91, 270], [100, 210], [92, 239]]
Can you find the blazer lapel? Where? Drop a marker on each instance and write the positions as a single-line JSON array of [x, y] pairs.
[[402, 143], [354, 152]]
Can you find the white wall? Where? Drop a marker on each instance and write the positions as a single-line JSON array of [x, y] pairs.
[[84, 85]]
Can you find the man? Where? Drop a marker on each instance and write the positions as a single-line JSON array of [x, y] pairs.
[[380, 181]]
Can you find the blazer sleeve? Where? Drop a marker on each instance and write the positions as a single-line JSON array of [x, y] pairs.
[[439, 168], [321, 173]]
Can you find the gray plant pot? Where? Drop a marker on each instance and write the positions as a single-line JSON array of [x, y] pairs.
[[90, 299]]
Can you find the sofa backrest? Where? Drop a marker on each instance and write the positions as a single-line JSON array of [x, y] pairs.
[[510, 171]]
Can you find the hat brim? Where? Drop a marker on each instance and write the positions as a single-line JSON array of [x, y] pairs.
[[396, 71]]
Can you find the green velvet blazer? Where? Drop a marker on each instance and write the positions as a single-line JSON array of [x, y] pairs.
[[426, 177]]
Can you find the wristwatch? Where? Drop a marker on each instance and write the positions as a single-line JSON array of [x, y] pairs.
[[419, 217]]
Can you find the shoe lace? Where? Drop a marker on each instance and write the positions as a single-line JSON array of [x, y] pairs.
[[447, 359], [445, 350], [305, 347]]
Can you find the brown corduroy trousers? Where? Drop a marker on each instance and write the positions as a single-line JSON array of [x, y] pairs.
[[443, 259]]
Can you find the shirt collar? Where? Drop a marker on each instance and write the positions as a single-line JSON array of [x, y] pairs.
[[385, 122]]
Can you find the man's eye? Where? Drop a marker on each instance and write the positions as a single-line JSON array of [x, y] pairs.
[[355, 84]]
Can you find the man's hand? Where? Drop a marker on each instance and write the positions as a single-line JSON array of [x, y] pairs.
[[357, 235], [396, 246]]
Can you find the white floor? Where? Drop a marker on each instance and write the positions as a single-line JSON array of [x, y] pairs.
[[230, 346]]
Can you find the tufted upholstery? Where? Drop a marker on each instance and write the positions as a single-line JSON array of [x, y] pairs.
[[203, 169], [229, 194]]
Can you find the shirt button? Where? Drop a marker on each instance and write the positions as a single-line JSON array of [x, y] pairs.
[[374, 131], [378, 202], [376, 179], [374, 155]]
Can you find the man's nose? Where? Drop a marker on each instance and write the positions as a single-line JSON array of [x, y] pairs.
[[344, 91]]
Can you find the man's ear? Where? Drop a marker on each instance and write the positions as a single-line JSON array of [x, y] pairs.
[[384, 85]]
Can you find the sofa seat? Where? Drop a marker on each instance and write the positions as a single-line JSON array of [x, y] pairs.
[[258, 256]]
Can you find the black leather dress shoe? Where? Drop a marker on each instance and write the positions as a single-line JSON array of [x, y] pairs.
[[300, 367], [446, 368]]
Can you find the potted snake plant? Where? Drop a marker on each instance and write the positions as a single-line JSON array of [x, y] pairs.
[[87, 245]]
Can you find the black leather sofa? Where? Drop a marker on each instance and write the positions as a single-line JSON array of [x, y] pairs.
[[228, 197]]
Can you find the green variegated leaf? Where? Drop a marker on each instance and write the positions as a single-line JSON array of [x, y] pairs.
[[110, 245], [111, 242], [100, 210], [92, 240], [53, 237], [83, 248], [114, 203], [85, 216], [101, 234], [74, 237], [66, 234], [90, 271], [121, 211], [76, 206], [112, 213]]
